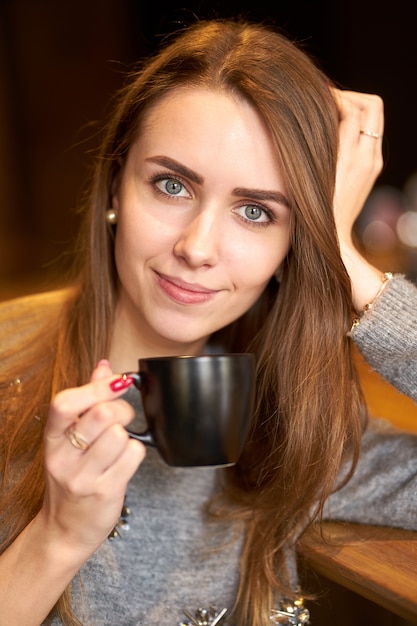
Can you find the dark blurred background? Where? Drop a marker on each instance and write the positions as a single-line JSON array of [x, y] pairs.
[[61, 61]]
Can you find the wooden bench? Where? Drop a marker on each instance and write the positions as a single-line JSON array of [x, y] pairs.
[[377, 563]]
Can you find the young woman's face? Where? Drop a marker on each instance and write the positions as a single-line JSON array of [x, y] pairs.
[[203, 220]]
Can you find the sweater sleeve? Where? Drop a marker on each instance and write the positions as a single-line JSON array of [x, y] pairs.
[[383, 489], [387, 335]]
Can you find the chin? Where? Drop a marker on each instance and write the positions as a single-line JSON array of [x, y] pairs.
[[183, 339]]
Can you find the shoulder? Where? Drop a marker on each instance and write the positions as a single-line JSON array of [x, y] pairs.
[[33, 311], [24, 319]]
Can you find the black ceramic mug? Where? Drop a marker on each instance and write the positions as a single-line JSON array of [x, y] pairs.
[[198, 408]]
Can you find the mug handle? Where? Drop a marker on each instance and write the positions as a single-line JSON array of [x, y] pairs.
[[145, 437]]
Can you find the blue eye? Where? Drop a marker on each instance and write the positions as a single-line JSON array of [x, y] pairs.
[[173, 187], [254, 213], [170, 186]]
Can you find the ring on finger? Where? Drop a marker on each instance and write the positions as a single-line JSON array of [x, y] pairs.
[[370, 133], [76, 439]]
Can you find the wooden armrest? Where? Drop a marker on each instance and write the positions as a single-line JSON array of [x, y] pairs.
[[378, 563]]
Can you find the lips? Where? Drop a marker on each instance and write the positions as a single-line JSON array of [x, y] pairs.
[[183, 292]]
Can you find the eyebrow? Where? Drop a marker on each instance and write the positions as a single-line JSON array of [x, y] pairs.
[[173, 165], [241, 192], [262, 195]]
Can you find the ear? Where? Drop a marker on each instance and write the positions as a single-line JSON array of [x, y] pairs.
[[115, 189]]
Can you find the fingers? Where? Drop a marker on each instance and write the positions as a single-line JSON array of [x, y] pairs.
[[361, 117], [371, 106], [361, 131], [101, 417], [70, 404], [86, 425], [360, 158], [108, 464], [111, 456]]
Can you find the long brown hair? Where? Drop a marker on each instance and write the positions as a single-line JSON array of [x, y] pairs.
[[308, 402]]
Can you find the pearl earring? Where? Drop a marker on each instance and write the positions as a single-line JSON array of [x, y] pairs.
[[111, 216]]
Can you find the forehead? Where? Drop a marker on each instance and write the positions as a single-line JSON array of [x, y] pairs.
[[198, 123]]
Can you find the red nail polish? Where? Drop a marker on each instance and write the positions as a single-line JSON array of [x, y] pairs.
[[123, 382]]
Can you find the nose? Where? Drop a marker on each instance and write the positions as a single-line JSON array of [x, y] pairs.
[[198, 243]]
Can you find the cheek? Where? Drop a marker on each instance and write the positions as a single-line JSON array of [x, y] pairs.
[[139, 238], [130, 249], [255, 269]]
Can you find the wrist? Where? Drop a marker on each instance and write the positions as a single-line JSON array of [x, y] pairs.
[[60, 551], [385, 278], [34, 571], [367, 281]]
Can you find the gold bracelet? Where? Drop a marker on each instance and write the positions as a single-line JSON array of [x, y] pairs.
[[385, 278]]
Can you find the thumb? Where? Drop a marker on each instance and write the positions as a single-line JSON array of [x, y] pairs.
[[102, 370]]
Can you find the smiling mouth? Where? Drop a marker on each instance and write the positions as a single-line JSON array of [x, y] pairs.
[[183, 292]]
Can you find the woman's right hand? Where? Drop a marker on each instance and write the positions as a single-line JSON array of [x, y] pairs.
[[83, 498], [85, 489]]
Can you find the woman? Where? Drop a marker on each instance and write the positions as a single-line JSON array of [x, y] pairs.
[[216, 180]]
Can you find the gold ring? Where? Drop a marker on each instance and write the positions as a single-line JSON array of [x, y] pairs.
[[75, 439], [370, 133]]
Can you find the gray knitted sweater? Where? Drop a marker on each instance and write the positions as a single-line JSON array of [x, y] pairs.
[[171, 558]]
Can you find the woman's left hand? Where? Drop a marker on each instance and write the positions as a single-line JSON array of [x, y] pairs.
[[359, 164], [360, 158]]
